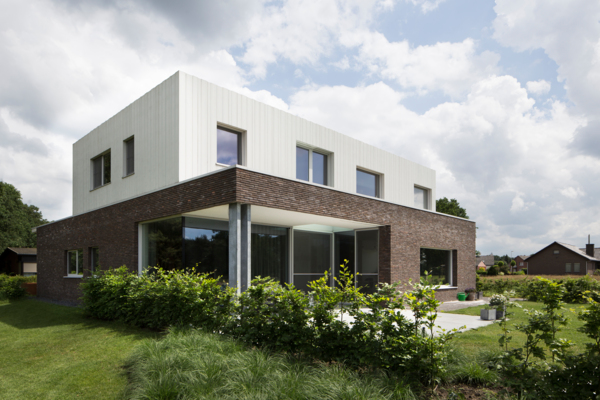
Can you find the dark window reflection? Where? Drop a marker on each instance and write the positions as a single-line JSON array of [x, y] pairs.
[[302, 163], [366, 183], [227, 147], [436, 263], [270, 252], [164, 244]]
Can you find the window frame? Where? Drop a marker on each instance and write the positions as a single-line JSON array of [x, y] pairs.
[[241, 139], [576, 268], [126, 143], [378, 182], [556, 252], [93, 261], [427, 195], [450, 284], [78, 268], [327, 164], [102, 157], [568, 268]]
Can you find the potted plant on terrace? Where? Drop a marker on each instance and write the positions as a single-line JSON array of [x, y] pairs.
[[499, 302], [470, 291]]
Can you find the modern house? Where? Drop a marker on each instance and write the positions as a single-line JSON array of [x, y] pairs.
[[195, 175], [563, 259], [19, 261], [521, 262]]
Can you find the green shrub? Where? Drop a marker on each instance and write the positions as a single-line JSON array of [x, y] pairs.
[[524, 270], [493, 270], [575, 288], [521, 272], [11, 287]]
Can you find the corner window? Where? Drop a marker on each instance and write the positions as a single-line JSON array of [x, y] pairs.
[[75, 262], [367, 183], [437, 263], [94, 259], [421, 198], [311, 166], [576, 267], [229, 147], [128, 153], [101, 170], [568, 267]]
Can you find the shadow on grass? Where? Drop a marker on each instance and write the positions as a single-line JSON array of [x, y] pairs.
[[32, 314]]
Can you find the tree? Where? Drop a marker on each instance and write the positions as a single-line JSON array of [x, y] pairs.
[[17, 219], [450, 207]]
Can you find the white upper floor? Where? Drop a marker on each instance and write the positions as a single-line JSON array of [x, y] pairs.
[[186, 127]]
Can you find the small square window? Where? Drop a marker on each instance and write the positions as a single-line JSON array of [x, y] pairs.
[[101, 170], [367, 183], [229, 147], [75, 262], [311, 166], [576, 267], [421, 198], [129, 157], [568, 267]]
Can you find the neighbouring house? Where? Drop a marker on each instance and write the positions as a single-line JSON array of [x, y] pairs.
[[521, 262], [195, 175], [481, 265], [487, 260], [19, 261], [563, 259]]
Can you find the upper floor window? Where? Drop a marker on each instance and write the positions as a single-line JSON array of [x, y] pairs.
[[128, 162], [101, 170], [367, 183], [556, 252], [229, 146], [421, 198], [311, 166]]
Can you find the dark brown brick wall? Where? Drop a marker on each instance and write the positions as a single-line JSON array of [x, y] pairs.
[[545, 262], [114, 228]]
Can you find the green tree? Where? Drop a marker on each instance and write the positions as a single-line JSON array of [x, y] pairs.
[[17, 219], [450, 207]]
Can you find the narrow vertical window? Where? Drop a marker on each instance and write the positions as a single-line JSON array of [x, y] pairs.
[[94, 259], [576, 267], [302, 163], [228, 147], [319, 168], [421, 198], [75, 262], [129, 164], [568, 267], [367, 183], [106, 168]]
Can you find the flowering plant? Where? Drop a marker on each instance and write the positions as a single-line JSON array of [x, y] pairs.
[[498, 300], [470, 290]]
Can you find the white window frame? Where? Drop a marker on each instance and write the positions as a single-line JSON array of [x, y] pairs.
[[328, 160], [378, 182], [101, 156], [78, 268], [241, 144], [427, 193]]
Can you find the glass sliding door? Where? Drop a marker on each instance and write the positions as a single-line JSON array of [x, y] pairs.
[[344, 250], [367, 260], [269, 252], [162, 244], [206, 247], [312, 257]]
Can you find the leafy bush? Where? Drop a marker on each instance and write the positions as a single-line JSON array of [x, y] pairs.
[[11, 287], [493, 270], [521, 272], [574, 289]]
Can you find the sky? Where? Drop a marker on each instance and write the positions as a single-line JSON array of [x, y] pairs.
[[501, 98]]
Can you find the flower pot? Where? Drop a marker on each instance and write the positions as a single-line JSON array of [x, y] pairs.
[[479, 295], [487, 315], [499, 314], [471, 296]]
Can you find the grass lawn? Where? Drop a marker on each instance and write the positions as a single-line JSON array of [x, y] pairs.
[[53, 352], [485, 339]]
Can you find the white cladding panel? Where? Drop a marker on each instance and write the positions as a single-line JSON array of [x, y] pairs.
[[153, 122], [271, 136]]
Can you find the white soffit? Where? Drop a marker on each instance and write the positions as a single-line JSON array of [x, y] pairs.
[[276, 217]]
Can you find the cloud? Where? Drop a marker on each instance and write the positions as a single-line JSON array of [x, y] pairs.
[[538, 88], [11, 141], [426, 5]]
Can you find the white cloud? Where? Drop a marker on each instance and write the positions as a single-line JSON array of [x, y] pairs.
[[572, 192], [539, 87], [426, 5]]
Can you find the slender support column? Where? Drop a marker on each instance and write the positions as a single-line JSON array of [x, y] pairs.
[[239, 246]]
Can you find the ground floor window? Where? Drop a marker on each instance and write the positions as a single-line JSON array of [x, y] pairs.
[[75, 262], [568, 267], [94, 258], [437, 263], [576, 267]]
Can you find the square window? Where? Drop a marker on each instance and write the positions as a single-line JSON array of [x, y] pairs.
[[421, 198], [576, 267], [438, 264], [311, 166], [128, 164], [229, 147], [367, 183], [101, 170], [568, 267], [75, 262]]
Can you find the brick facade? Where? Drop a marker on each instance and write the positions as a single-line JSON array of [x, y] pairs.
[[545, 262], [114, 229]]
